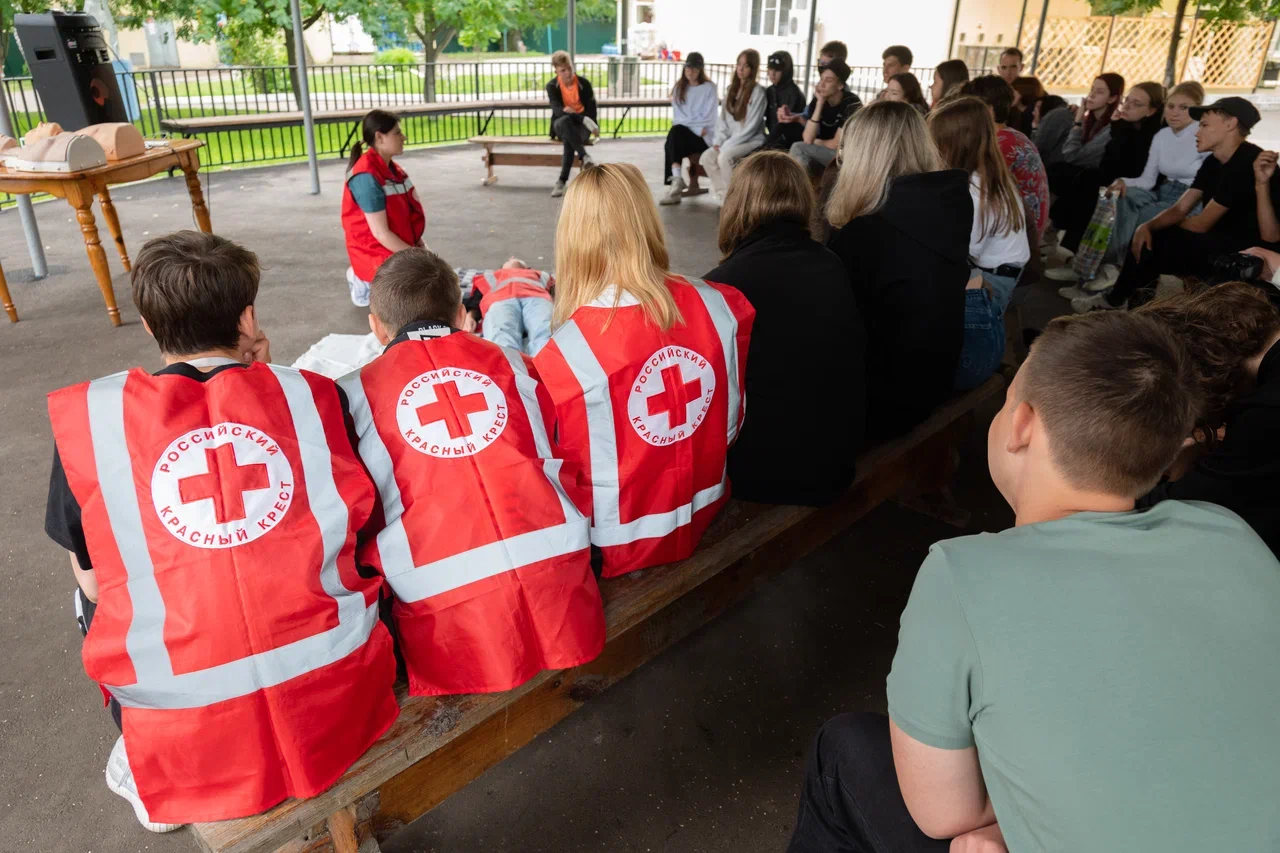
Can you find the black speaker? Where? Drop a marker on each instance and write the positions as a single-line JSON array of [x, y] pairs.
[[71, 68]]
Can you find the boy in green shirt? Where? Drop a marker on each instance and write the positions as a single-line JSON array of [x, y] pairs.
[[1095, 678]]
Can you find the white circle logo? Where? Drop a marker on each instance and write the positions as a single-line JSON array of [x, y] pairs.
[[671, 395], [222, 486], [451, 412]]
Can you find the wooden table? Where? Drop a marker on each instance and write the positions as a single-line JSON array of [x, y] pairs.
[[79, 188]]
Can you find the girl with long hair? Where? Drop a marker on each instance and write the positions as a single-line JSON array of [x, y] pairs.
[[645, 369], [693, 105], [1088, 139], [381, 211], [948, 76], [905, 87], [1027, 92], [998, 248], [741, 127], [903, 225]]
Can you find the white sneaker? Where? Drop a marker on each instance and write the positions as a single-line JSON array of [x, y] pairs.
[[1072, 291], [120, 781], [1066, 273], [675, 192], [359, 289], [558, 190], [587, 162], [589, 124], [1094, 302], [1106, 279]]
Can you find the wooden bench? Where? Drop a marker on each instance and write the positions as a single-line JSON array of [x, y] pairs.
[[440, 744], [492, 158], [293, 118]]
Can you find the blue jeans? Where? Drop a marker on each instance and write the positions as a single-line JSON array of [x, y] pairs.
[[509, 321], [983, 346], [1139, 206]]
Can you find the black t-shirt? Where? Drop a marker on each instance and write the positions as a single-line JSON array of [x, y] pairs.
[[1231, 185], [62, 510], [834, 117]]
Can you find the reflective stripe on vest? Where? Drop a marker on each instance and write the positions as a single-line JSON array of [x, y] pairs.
[[608, 528], [157, 685], [393, 188], [411, 582]]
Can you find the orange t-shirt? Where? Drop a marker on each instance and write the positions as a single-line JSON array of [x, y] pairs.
[[569, 94]]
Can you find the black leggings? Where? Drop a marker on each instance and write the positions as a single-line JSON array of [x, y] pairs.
[[681, 143], [851, 802], [570, 130], [1174, 251]]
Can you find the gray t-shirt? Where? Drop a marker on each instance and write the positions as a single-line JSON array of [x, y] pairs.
[[1118, 673]]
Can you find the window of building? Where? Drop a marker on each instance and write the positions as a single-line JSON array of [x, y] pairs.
[[771, 17]]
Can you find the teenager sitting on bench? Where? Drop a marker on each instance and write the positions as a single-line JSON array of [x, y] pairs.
[[1089, 679]]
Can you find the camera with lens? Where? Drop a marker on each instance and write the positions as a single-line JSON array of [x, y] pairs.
[[1237, 267]]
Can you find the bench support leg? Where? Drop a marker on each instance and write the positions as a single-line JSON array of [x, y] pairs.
[[342, 152], [485, 126], [617, 128], [487, 159]]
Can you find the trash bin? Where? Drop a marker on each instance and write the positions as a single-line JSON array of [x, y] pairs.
[[624, 76]]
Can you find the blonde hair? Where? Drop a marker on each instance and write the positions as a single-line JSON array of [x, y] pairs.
[[965, 135], [609, 233], [1189, 89], [560, 57], [883, 141], [768, 186]]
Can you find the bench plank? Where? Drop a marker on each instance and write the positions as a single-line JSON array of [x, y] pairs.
[[440, 744]]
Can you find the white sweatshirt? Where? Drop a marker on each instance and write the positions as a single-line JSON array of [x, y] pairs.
[[730, 131], [698, 112], [1173, 155], [993, 250]]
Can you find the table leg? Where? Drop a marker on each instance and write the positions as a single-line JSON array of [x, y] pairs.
[[113, 225], [191, 168], [7, 299], [81, 198]]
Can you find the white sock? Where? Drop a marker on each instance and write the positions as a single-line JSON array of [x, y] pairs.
[[676, 173]]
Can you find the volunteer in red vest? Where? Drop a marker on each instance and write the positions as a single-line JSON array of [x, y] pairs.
[[484, 538], [646, 369], [211, 512], [381, 211], [514, 303]]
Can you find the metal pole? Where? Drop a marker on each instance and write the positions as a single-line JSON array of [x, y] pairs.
[[308, 123], [1017, 40], [571, 20], [31, 228], [625, 21], [1035, 54], [955, 23], [808, 53]]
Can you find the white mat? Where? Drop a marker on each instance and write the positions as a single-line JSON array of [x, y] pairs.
[[337, 355]]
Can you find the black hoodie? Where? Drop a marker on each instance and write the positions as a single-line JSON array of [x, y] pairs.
[[908, 263]]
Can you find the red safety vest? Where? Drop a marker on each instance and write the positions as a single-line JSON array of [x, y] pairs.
[[232, 625], [405, 216], [496, 285], [485, 542], [650, 415]]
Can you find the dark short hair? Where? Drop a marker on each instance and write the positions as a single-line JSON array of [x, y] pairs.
[[1012, 51], [997, 93], [838, 68], [1051, 103], [414, 286], [1222, 327], [900, 52], [836, 50], [1117, 394], [191, 288]]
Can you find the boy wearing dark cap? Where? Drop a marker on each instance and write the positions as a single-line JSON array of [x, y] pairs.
[[828, 111], [1177, 243], [784, 101]]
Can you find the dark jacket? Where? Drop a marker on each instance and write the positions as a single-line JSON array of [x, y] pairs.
[[785, 93], [585, 94], [1126, 153], [908, 264], [1242, 473], [805, 372]]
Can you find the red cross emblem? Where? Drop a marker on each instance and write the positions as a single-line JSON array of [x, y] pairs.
[[673, 399], [452, 408], [224, 484]]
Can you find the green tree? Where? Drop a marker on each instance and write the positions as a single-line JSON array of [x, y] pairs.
[[1210, 11]]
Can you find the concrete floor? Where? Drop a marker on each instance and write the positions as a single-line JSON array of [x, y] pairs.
[[699, 750]]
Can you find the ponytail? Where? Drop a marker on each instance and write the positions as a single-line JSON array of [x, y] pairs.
[[373, 123]]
